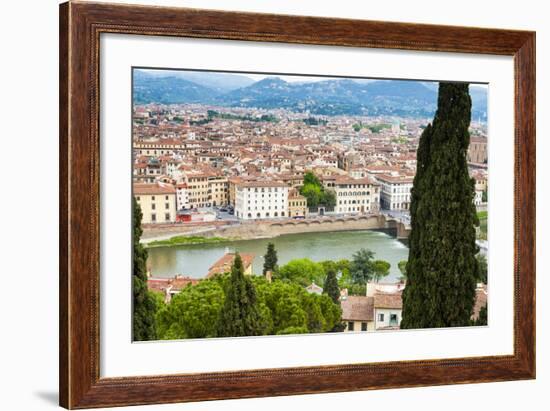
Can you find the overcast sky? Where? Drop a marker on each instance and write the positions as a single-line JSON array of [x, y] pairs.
[[258, 77]]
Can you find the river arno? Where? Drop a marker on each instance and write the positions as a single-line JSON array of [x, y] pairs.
[[194, 260]]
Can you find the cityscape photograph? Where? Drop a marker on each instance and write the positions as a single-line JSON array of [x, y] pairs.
[[274, 204]]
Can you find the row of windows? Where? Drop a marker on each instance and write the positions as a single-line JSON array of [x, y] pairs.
[[351, 326], [154, 217], [353, 202], [266, 215], [263, 208], [353, 209], [354, 193], [263, 189], [353, 185], [138, 198], [166, 206]]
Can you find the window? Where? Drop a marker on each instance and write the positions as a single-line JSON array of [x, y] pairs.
[[351, 326], [167, 217], [166, 198], [152, 206], [363, 326], [152, 198], [393, 319], [137, 198], [167, 206], [381, 317], [153, 217]]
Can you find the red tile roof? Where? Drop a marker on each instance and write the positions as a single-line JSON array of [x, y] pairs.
[[152, 189], [388, 300], [178, 283], [357, 308], [223, 265]]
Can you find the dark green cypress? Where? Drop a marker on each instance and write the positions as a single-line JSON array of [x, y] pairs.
[[240, 315], [270, 259], [144, 304], [442, 267], [331, 286]]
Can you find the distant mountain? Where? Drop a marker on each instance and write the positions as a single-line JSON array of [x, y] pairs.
[[220, 82], [329, 97], [169, 90]]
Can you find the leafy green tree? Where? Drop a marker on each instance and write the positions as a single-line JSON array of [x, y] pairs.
[[357, 289], [315, 193], [312, 193], [240, 315], [362, 267], [144, 302], [192, 313], [311, 178], [482, 268], [381, 269], [331, 286], [302, 271], [329, 198], [270, 259], [442, 268]]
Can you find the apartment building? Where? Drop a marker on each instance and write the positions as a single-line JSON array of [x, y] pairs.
[[395, 191], [157, 202], [261, 199], [356, 195], [297, 204]]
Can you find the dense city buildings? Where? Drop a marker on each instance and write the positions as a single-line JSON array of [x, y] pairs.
[[253, 161], [301, 193]]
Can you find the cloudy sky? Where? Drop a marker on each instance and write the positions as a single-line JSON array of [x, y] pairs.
[[258, 77]]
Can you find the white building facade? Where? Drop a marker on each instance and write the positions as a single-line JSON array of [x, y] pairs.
[[182, 197], [395, 191], [261, 199], [356, 195]]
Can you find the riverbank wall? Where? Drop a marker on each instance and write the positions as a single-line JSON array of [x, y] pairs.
[[269, 229]]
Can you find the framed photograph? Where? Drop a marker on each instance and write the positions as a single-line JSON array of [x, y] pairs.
[[260, 205]]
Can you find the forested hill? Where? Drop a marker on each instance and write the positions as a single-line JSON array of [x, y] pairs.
[[328, 97]]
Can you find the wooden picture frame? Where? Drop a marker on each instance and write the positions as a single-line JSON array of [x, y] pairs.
[[80, 27]]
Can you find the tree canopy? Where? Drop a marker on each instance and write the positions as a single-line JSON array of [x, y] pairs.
[[240, 315], [270, 259], [302, 271], [144, 302], [315, 193], [362, 267], [331, 286], [442, 268]]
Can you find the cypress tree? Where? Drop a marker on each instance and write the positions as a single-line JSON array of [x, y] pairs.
[[144, 304], [240, 315], [331, 286], [270, 258], [442, 267]]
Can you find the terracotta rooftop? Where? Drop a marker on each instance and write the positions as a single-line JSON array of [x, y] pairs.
[[388, 300], [357, 308], [223, 265], [261, 183], [395, 179], [178, 283], [154, 188]]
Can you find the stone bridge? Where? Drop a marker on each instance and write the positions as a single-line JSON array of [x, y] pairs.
[[259, 229]]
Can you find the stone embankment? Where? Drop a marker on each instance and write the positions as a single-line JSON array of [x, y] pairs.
[[268, 229]]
